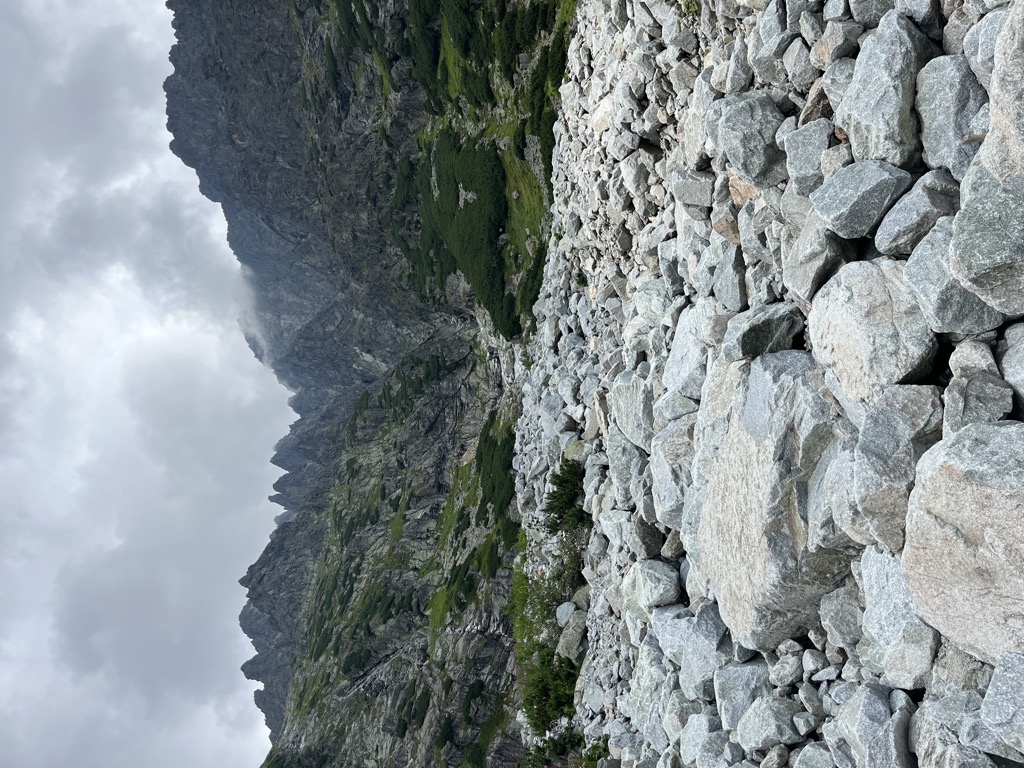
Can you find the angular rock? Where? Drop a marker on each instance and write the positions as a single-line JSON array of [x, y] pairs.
[[686, 366], [1003, 707], [948, 98], [801, 71], [768, 328], [769, 41], [564, 612], [870, 12], [837, 79], [769, 721], [572, 642], [625, 461], [987, 253], [896, 642], [926, 14], [899, 427], [746, 134], [671, 456], [980, 45], [692, 641], [697, 730], [811, 260], [841, 617], [948, 307], [934, 731], [803, 155], [976, 397], [1011, 361], [963, 537], [854, 199], [815, 755], [877, 111], [751, 549], [651, 583], [933, 196], [857, 723], [838, 41], [737, 686], [631, 403], [646, 688], [865, 327]]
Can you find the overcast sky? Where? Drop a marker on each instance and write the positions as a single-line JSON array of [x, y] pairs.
[[135, 425]]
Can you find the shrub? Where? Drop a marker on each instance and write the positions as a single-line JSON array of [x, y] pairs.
[[562, 504]]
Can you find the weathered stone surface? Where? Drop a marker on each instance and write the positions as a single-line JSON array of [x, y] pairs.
[[746, 134], [625, 460], [769, 721], [948, 98], [646, 688], [854, 199], [1011, 361], [933, 196], [877, 111], [677, 712], [859, 722], [571, 643], [671, 455], [926, 14], [811, 259], [964, 538], [934, 730], [752, 551], [896, 642], [631, 403], [870, 12], [697, 730], [987, 253], [686, 366], [651, 583], [767, 44], [803, 155], [837, 79], [564, 612], [815, 755], [980, 45], [975, 397], [838, 41], [841, 617], [1003, 707], [899, 427], [947, 306], [692, 641], [801, 71], [1003, 150], [768, 328], [866, 328], [737, 686]]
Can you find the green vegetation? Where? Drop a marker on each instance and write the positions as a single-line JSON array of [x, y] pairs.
[[562, 504], [474, 193]]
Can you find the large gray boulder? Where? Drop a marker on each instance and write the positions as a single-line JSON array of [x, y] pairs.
[[1011, 361], [904, 422], [934, 195], [877, 111], [948, 307], [855, 198], [649, 584], [964, 553], [935, 733], [988, 238], [768, 42], [866, 328], [572, 642], [868, 732], [746, 134], [896, 643], [752, 549], [948, 98]]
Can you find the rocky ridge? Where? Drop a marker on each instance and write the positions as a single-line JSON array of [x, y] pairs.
[[779, 325]]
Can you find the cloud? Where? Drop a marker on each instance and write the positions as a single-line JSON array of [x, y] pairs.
[[135, 425]]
